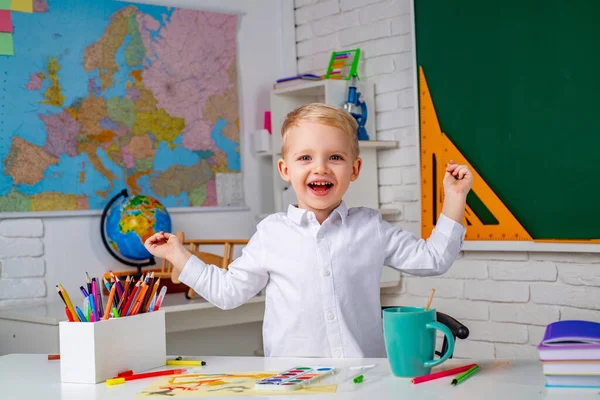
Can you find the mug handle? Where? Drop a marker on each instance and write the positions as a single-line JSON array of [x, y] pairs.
[[446, 331]]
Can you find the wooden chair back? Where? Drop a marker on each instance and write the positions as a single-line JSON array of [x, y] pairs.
[[193, 245]]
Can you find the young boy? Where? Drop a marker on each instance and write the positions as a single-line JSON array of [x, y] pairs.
[[320, 261]]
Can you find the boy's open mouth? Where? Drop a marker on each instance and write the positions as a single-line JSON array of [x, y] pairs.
[[320, 188]]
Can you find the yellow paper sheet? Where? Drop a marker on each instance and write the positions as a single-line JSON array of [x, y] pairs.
[[218, 385], [22, 5]]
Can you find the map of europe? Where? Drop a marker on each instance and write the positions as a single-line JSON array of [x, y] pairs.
[[103, 95]]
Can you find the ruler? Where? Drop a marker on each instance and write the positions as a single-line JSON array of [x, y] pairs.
[[436, 151]]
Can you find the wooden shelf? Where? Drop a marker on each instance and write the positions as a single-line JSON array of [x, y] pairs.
[[264, 154], [362, 144], [377, 144], [314, 88]]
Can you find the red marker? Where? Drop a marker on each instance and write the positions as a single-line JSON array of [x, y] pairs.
[[122, 379], [69, 315]]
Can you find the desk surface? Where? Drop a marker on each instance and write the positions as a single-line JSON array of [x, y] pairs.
[[32, 377], [52, 313]]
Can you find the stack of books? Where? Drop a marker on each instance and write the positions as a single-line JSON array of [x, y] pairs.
[[570, 354]]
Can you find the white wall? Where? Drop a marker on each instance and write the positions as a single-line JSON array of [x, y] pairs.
[[38, 253], [505, 298]]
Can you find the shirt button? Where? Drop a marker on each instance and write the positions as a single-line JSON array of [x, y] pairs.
[[327, 272], [319, 236], [337, 354], [330, 316]]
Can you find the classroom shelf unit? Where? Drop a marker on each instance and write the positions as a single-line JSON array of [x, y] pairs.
[[362, 192]]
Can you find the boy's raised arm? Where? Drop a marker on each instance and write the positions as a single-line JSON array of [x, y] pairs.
[[230, 288], [404, 251]]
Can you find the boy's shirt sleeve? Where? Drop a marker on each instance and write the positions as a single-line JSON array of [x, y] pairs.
[[230, 288], [406, 252]]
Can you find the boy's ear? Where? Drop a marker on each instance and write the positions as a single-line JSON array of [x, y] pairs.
[[356, 168], [283, 169]]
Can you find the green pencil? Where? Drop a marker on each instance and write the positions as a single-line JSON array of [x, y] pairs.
[[465, 375]]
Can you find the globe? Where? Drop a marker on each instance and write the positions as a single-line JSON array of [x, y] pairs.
[[127, 221]]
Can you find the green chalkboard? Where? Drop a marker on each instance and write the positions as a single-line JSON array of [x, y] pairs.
[[516, 87]]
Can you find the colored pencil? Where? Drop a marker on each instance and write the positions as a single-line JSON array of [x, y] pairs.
[[131, 299], [122, 379], [118, 282], [89, 282], [146, 300], [441, 374], [152, 294], [430, 298], [125, 294], [110, 301], [138, 303], [69, 304], [61, 295]]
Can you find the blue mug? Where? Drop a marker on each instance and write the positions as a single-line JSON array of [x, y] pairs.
[[409, 334]]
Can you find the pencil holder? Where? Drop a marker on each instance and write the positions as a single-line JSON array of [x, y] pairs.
[[92, 352]]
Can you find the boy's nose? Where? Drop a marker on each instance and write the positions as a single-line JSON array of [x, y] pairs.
[[321, 168]]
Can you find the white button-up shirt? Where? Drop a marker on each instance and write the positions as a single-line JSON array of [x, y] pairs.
[[323, 280]]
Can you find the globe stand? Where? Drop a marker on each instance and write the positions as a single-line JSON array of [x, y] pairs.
[[121, 259]]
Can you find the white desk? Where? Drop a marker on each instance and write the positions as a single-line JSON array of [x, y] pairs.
[[32, 377], [20, 324]]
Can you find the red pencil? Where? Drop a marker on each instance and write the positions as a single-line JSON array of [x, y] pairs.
[[123, 378], [441, 374]]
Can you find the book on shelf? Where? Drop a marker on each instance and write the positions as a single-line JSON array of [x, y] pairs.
[[295, 80]]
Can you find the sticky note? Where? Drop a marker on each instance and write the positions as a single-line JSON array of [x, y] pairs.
[[5, 21], [22, 5], [4, 4], [6, 44]]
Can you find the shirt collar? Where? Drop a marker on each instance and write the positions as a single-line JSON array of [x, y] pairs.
[[296, 214]]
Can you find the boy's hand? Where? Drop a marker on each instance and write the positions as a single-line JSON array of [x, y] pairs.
[[458, 179], [168, 246]]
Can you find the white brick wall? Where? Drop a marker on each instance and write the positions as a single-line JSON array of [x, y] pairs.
[[22, 266], [507, 318], [505, 298]]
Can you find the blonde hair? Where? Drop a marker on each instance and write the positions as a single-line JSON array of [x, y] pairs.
[[322, 114]]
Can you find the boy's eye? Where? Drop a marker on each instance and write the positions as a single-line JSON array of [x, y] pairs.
[[304, 158], [336, 158]]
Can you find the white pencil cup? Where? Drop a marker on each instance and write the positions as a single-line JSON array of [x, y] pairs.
[[92, 352]]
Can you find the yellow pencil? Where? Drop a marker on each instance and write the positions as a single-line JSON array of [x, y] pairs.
[[152, 293], [69, 304]]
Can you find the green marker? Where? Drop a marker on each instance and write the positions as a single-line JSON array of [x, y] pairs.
[[465, 375], [358, 378]]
